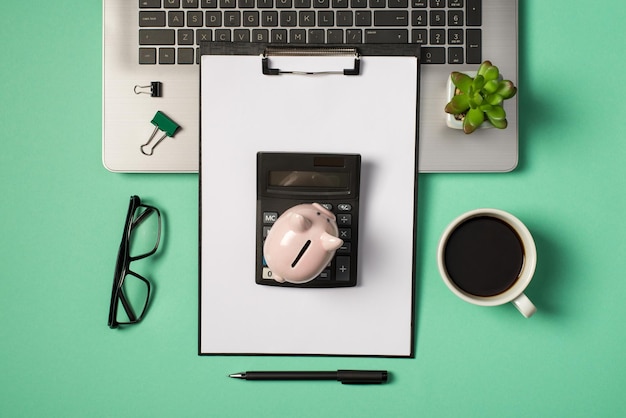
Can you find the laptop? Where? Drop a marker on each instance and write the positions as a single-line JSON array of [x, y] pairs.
[[151, 72]]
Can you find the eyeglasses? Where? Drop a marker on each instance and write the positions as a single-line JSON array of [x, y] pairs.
[[140, 239]]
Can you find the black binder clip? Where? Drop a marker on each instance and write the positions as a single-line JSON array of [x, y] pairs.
[[154, 89], [161, 123]]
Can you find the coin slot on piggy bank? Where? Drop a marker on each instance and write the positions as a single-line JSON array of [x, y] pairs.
[[307, 219]]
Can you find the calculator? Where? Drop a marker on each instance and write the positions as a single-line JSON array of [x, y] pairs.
[[286, 179]]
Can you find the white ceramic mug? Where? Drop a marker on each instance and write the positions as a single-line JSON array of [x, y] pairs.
[[514, 293]]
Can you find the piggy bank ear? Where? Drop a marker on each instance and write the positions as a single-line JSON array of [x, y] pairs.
[[330, 242], [299, 223]]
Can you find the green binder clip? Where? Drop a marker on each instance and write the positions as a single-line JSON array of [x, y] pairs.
[[161, 123]]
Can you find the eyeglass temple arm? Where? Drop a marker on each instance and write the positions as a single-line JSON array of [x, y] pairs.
[[129, 310]]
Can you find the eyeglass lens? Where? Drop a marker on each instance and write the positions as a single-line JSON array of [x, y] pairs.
[[133, 296], [144, 233]]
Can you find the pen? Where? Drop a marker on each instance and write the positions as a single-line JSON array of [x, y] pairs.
[[343, 376]]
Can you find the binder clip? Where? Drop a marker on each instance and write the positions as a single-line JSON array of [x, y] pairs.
[[161, 123], [154, 89]]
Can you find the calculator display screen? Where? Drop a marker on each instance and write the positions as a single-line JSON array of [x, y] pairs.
[[314, 179]]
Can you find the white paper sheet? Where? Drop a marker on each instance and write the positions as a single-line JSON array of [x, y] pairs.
[[373, 114]]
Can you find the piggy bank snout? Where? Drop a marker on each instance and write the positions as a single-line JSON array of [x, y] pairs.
[[330, 242]]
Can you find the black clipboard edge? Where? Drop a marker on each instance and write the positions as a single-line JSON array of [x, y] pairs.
[[240, 48], [233, 48]]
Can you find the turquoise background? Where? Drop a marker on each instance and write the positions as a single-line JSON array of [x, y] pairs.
[[61, 224]]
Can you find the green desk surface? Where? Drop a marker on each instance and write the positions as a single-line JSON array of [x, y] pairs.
[[61, 224]]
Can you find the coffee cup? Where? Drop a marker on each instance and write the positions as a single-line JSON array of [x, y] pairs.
[[488, 257]]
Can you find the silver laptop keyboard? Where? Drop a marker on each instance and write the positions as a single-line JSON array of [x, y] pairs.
[[170, 31]]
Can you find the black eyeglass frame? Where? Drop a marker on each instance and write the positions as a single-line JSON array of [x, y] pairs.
[[122, 266]]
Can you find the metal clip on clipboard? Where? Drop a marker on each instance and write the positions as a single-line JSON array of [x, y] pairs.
[[310, 52]]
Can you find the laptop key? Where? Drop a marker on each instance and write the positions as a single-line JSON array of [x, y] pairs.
[[157, 36], [433, 55], [473, 14], [151, 19], [473, 38], [399, 4], [455, 55], [185, 37], [335, 36], [186, 55], [176, 19], [391, 18], [377, 36], [149, 4], [363, 18], [241, 35], [167, 55], [147, 55], [353, 36], [316, 36]]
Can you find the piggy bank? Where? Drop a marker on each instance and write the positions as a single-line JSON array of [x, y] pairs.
[[301, 243]]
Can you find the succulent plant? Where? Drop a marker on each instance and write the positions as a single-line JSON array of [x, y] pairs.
[[480, 98]]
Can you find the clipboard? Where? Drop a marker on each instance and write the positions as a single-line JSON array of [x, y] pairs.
[[317, 98]]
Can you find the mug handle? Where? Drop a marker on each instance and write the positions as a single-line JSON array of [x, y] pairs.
[[524, 305]]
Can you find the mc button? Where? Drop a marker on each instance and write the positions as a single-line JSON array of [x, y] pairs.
[[269, 217]]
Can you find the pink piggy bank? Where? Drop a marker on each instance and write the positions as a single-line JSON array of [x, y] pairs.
[[301, 243]]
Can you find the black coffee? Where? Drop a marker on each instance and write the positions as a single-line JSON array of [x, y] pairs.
[[484, 256]]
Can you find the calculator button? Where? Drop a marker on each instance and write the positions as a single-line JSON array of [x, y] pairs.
[[344, 219], [266, 230], [344, 249], [342, 269], [327, 206], [344, 207], [345, 233], [270, 217], [324, 275], [267, 274]]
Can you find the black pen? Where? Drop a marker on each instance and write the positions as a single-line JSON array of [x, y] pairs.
[[343, 376]]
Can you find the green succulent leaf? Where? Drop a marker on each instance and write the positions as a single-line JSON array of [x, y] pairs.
[[462, 81], [494, 99], [484, 67], [478, 83], [506, 89], [491, 86], [485, 107], [473, 119], [475, 100], [458, 104], [492, 73], [496, 113], [500, 124]]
